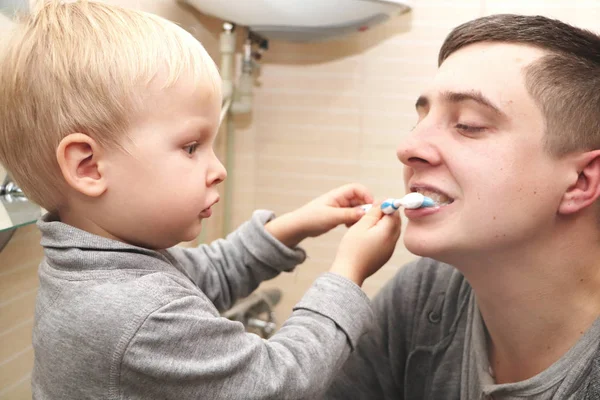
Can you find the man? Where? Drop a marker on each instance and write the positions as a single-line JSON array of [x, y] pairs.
[[507, 304]]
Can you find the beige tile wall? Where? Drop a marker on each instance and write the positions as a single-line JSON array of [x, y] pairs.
[[18, 287], [325, 114], [334, 112]]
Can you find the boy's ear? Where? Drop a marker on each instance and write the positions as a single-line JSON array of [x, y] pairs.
[[585, 190], [80, 160]]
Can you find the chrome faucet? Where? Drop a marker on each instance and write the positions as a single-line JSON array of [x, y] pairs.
[[256, 312]]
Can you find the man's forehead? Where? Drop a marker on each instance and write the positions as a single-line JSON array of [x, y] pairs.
[[491, 72], [484, 54]]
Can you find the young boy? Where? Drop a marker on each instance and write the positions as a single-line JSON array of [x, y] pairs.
[[107, 119], [508, 305]]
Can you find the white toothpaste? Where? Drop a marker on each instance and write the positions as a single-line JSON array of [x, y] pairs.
[[410, 201]]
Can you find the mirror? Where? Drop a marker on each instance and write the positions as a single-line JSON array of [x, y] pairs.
[[15, 209], [11, 7]]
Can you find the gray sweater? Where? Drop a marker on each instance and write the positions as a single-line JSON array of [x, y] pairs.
[[115, 321], [429, 344]]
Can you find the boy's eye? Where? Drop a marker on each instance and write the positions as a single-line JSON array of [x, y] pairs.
[[191, 148]]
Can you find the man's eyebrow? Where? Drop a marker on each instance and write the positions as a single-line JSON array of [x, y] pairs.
[[459, 97]]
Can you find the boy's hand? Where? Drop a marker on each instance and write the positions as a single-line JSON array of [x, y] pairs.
[[324, 213], [367, 245]]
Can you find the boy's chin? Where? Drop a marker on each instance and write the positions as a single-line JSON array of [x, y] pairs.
[[170, 236], [192, 233], [174, 240]]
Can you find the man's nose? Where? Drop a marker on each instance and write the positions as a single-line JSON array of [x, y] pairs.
[[421, 147]]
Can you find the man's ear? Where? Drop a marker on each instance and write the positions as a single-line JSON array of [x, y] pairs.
[[80, 160], [585, 190]]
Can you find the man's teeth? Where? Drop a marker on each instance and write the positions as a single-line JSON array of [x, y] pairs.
[[435, 196]]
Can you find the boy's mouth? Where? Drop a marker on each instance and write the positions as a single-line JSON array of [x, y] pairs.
[[206, 213], [436, 195]]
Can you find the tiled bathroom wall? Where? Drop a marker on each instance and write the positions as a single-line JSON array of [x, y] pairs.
[[18, 288], [330, 113], [324, 114]]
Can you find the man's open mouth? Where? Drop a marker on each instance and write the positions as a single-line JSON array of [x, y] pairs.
[[440, 198]]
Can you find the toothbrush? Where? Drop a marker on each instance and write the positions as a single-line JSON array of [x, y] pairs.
[[411, 201]]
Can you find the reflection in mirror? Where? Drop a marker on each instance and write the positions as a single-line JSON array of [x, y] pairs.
[[15, 209], [11, 7]]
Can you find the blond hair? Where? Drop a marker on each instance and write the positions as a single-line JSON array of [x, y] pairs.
[[82, 67]]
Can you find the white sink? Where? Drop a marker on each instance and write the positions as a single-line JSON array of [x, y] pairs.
[[302, 20]]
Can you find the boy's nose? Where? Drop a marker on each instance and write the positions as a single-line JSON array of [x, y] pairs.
[[217, 172]]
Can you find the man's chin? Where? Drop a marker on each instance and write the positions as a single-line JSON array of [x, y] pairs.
[[425, 247]]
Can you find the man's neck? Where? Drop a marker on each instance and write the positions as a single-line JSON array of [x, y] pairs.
[[536, 304]]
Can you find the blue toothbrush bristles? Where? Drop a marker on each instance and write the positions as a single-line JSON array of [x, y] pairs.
[[427, 202]]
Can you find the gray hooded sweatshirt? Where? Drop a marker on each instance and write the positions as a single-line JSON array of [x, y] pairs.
[[116, 321]]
